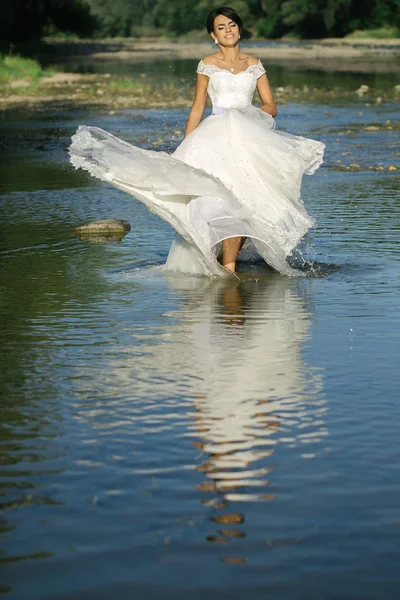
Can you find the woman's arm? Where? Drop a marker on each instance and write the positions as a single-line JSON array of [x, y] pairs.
[[267, 98], [199, 104]]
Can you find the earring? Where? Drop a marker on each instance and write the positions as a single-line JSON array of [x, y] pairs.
[[216, 42], [240, 37]]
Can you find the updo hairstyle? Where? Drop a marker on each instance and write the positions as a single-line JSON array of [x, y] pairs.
[[226, 12]]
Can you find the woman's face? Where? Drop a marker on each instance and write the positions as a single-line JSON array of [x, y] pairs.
[[226, 32]]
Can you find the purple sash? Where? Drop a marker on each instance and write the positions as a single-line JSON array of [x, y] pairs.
[[218, 110]]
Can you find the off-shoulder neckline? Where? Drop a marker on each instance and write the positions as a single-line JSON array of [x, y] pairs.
[[258, 65]]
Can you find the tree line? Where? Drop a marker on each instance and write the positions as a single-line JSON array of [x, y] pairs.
[[26, 20]]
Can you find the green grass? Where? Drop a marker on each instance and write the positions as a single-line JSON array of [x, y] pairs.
[[13, 68], [291, 36], [381, 33]]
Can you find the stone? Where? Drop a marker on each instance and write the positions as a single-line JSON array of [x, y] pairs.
[[363, 89], [229, 518], [113, 228]]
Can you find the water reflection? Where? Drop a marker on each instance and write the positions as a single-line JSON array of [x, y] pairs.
[[254, 389], [139, 421], [246, 351], [228, 365]]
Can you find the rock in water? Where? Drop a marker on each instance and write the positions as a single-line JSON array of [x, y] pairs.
[[104, 228]]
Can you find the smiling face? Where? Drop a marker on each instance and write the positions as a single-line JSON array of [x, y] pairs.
[[226, 31]]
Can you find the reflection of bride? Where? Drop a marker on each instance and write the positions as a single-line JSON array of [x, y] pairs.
[[254, 389], [224, 372], [232, 178]]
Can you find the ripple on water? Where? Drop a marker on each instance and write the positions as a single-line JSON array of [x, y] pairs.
[[241, 436]]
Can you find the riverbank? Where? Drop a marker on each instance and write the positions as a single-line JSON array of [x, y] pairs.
[[38, 90], [66, 91], [348, 54]]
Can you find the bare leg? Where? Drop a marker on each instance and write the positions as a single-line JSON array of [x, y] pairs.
[[230, 251]]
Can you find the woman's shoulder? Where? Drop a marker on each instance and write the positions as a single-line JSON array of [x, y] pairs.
[[212, 63], [210, 60], [252, 61], [214, 59], [205, 66], [258, 67]]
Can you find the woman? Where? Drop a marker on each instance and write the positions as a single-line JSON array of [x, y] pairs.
[[232, 178]]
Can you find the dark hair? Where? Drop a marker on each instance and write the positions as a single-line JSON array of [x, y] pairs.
[[226, 12]]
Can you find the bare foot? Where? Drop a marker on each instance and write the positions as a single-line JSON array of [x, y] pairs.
[[230, 267]]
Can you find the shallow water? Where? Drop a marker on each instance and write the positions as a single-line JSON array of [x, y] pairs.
[[279, 74], [173, 436]]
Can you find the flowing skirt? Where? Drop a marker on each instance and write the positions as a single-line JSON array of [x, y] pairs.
[[234, 175]]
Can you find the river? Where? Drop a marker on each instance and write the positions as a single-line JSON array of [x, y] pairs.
[[173, 437]]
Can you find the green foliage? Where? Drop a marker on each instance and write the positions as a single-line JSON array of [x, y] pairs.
[[271, 24], [23, 20], [335, 18], [15, 67], [115, 18], [383, 33], [177, 17], [304, 16], [269, 28]]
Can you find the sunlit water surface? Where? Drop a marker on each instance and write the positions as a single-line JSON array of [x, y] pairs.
[[178, 437]]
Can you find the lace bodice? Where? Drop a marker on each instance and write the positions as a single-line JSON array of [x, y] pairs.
[[228, 90]]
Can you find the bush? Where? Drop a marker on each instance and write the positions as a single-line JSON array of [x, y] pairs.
[[269, 28], [381, 33], [16, 67]]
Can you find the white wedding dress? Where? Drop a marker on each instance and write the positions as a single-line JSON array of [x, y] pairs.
[[234, 175]]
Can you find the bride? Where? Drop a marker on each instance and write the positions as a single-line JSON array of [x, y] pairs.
[[233, 181]]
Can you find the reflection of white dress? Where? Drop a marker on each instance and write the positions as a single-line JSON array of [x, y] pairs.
[[254, 388], [226, 368], [232, 176]]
